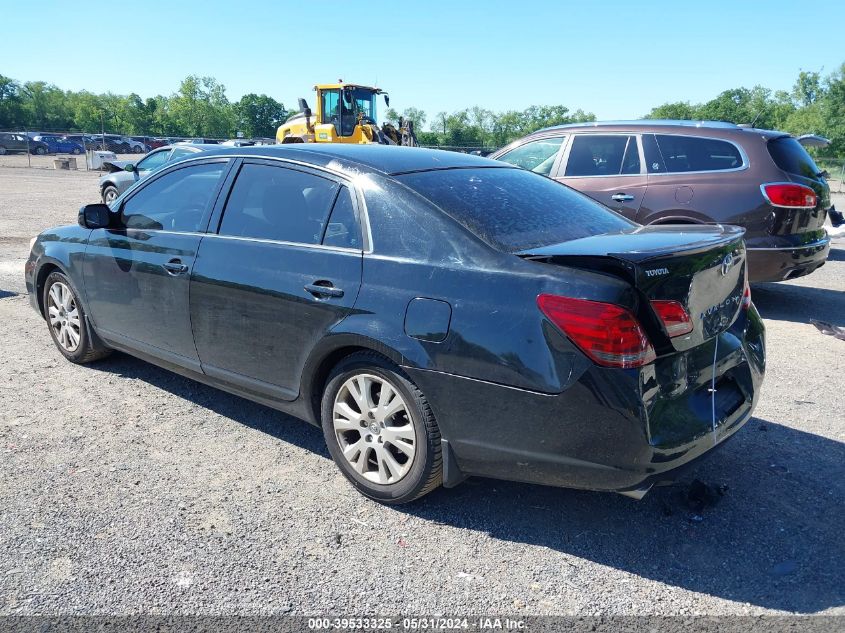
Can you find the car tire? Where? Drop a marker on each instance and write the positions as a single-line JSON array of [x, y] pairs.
[[2, 151], [76, 151], [391, 452], [110, 193], [40, 151], [66, 321], [137, 150]]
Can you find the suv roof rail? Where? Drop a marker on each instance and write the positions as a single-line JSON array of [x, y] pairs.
[[678, 122]]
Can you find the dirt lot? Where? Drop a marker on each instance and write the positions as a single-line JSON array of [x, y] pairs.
[[127, 489]]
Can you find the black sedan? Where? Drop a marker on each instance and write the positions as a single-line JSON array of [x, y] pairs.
[[439, 315]]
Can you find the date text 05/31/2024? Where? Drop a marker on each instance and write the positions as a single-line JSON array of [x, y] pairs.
[[417, 624]]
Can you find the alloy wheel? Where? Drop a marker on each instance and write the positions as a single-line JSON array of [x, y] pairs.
[[110, 195], [374, 428], [64, 316]]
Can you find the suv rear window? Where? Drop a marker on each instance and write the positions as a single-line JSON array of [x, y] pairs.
[[513, 209], [691, 153], [790, 156]]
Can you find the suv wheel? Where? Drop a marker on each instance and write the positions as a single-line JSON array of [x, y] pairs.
[[66, 320], [380, 430]]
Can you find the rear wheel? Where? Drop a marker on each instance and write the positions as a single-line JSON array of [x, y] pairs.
[[2, 150], [76, 150], [41, 151], [66, 320], [138, 149], [380, 430]]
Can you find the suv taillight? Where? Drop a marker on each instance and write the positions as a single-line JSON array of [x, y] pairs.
[[790, 195], [674, 316], [609, 334]]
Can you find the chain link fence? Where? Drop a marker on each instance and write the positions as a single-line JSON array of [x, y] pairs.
[[835, 168]]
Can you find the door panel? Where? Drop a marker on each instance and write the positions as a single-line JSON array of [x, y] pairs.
[[131, 294], [608, 168], [254, 322]]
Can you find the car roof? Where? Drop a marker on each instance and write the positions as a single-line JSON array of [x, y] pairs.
[[662, 125], [387, 159]]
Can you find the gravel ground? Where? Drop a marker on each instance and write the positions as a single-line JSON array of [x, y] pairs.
[[126, 489]]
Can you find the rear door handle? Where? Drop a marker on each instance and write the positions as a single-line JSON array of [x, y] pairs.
[[324, 289], [175, 267], [622, 197]]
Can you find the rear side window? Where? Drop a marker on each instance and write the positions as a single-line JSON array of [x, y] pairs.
[[602, 155], [512, 209], [275, 203], [343, 229], [790, 156], [538, 156], [689, 153]]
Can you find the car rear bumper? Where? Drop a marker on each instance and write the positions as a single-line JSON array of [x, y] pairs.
[[611, 430], [779, 263]]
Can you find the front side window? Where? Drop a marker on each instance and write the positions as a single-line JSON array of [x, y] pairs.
[[537, 156], [689, 153], [275, 203], [512, 209], [597, 155], [174, 202]]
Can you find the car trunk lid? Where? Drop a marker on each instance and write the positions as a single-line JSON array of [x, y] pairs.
[[702, 267]]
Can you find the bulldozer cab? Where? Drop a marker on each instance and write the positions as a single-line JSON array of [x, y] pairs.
[[346, 107], [344, 113]]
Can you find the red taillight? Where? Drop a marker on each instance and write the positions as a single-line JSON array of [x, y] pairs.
[[785, 194], [607, 333], [674, 316], [746, 296]]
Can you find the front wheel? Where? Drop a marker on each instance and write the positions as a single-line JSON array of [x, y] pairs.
[[76, 151], [109, 194], [66, 319], [40, 151], [2, 150], [380, 430]]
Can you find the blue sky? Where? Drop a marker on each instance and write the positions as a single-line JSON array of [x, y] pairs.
[[616, 59]]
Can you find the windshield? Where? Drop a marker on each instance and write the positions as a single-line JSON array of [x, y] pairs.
[[513, 209], [360, 100]]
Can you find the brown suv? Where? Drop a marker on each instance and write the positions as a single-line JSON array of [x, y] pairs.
[[661, 172]]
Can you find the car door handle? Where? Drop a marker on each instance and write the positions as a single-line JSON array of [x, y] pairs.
[[324, 289], [622, 197], [175, 267]]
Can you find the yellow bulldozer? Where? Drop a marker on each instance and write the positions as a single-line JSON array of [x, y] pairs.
[[345, 113]]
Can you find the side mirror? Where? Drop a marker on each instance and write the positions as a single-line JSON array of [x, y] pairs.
[[303, 105], [387, 100], [131, 168], [95, 216]]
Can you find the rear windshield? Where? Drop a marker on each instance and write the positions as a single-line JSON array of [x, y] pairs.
[[791, 157], [513, 209]]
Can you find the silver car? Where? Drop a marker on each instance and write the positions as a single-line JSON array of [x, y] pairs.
[[125, 173]]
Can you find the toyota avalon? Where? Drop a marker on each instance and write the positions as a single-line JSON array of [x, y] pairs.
[[438, 315]]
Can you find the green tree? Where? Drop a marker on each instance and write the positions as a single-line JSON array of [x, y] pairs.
[[11, 108], [258, 116]]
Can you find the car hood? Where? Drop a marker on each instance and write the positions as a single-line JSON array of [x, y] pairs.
[[117, 165]]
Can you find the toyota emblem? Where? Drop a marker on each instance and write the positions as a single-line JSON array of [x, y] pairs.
[[727, 263]]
